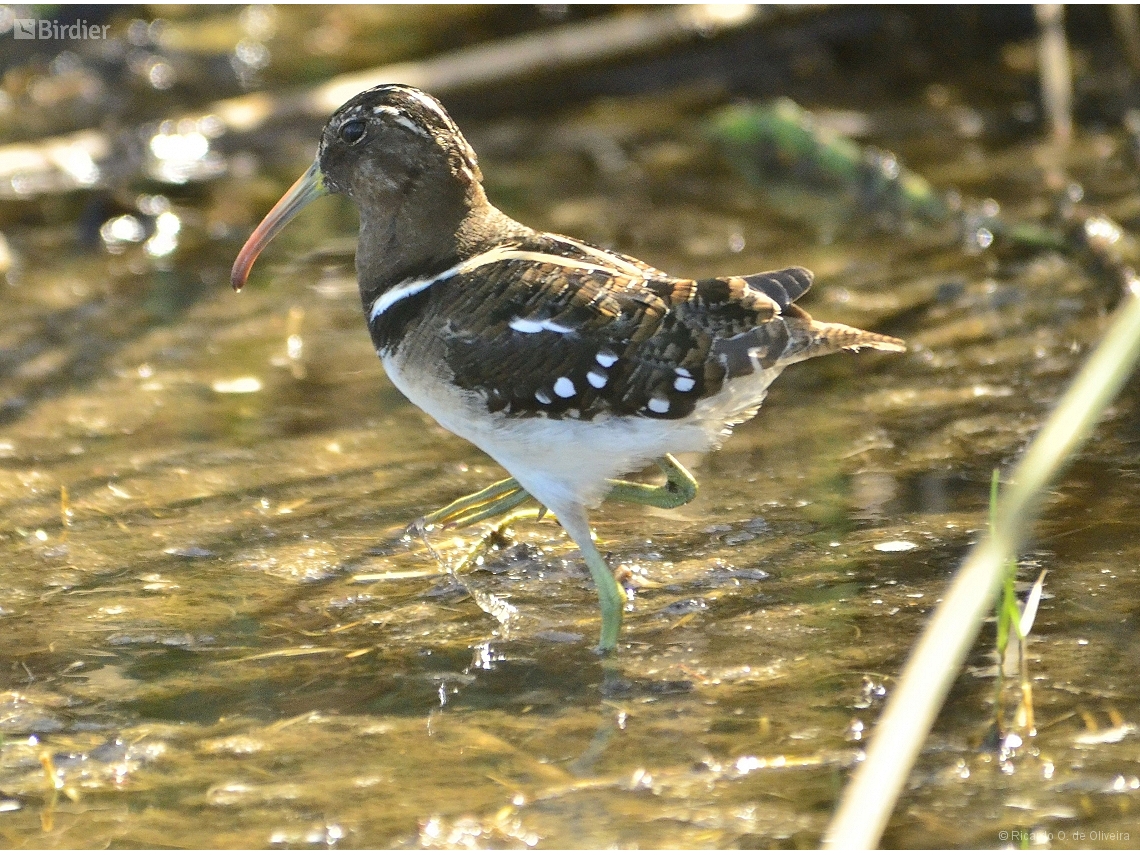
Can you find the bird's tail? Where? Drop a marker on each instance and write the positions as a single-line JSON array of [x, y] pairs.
[[820, 339]]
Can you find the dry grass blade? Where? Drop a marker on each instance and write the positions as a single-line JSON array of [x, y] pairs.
[[1056, 70]]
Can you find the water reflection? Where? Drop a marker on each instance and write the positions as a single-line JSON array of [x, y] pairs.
[[880, 496], [181, 151]]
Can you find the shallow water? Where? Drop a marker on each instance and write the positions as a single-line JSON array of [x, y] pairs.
[[216, 633]]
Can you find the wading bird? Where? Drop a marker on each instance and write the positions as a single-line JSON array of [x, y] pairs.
[[568, 364]]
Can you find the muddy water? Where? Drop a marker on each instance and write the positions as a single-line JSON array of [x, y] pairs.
[[216, 633]]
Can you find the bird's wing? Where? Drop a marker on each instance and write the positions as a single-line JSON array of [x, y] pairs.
[[553, 326]]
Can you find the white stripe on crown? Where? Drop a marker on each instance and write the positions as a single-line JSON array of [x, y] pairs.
[[402, 118]]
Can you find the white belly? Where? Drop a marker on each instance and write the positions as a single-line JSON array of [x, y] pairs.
[[566, 462]]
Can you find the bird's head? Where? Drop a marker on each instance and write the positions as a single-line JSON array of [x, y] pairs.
[[395, 152]]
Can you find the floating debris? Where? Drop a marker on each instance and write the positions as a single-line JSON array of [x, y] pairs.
[[895, 546]]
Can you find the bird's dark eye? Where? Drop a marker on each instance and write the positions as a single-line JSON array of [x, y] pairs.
[[352, 131]]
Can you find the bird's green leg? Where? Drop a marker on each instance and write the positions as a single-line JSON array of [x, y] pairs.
[[611, 597], [501, 497], [492, 501], [679, 488]]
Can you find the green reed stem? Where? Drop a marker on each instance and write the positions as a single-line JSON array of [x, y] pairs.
[[869, 799]]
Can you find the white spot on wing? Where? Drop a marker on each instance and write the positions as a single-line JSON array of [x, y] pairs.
[[596, 379], [684, 384], [659, 405], [529, 325], [606, 358], [564, 388], [524, 325], [542, 397]]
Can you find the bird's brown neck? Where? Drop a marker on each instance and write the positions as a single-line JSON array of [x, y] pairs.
[[423, 232], [413, 241]]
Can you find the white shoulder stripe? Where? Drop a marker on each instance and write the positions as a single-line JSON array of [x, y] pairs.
[[614, 260], [572, 263], [408, 289], [411, 287]]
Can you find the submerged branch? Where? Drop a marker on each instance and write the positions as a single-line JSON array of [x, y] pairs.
[[80, 160]]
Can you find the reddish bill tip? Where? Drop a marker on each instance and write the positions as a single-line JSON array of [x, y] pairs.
[[308, 187]]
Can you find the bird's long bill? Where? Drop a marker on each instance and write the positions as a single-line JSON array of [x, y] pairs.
[[308, 187]]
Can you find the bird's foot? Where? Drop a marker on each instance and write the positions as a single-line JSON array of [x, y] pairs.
[[679, 488], [504, 496], [499, 498]]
